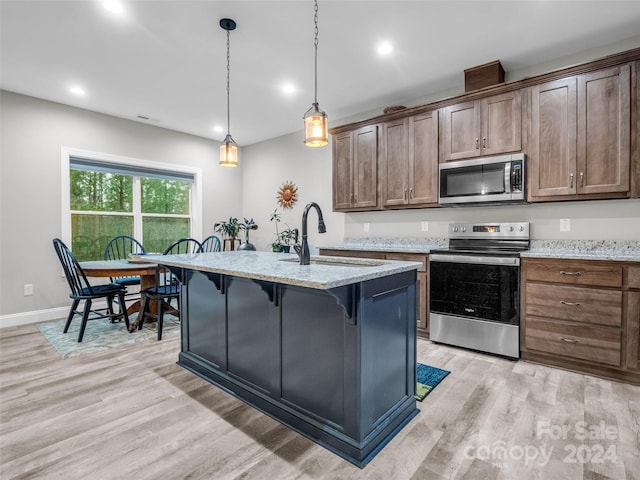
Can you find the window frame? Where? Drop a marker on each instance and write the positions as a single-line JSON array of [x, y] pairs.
[[196, 190]]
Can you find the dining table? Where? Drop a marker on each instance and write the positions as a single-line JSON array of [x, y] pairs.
[[148, 273]]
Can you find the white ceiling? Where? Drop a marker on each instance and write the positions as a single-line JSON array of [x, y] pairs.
[[167, 59]]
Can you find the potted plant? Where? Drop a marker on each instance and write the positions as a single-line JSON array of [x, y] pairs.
[[276, 246], [228, 229], [247, 225], [288, 237]]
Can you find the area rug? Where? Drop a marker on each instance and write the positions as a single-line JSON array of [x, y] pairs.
[[101, 335], [427, 378]]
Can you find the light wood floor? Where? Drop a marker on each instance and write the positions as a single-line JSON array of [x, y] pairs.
[[134, 414]]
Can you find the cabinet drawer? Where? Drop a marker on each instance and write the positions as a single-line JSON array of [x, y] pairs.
[[593, 344], [587, 305], [633, 277], [409, 257], [575, 273]]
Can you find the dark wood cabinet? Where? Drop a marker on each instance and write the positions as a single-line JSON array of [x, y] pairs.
[[579, 140], [355, 169], [582, 315], [409, 161], [487, 126]]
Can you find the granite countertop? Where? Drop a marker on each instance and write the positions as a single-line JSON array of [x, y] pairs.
[[285, 268], [618, 250], [391, 244]]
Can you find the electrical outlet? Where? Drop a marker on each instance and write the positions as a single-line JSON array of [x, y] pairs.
[[565, 224], [28, 289], [424, 226], [366, 228]]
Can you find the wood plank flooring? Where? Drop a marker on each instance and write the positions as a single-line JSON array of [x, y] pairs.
[[132, 413]]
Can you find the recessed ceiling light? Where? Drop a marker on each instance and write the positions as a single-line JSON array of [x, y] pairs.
[[77, 91], [288, 88], [385, 48], [113, 6], [218, 129]]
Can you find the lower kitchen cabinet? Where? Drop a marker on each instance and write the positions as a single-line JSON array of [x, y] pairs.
[[582, 315], [422, 285]]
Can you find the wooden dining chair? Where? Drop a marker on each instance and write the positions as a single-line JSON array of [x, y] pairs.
[[81, 289], [167, 286], [119, 248], [211, 244]]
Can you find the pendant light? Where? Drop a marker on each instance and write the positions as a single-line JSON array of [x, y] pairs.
[[315, 120], [229, 148]]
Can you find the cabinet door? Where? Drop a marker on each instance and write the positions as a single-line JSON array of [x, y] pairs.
[[461, 135], [501, 120], [423, 159], [365, 167], [394, 165], [551, 152], [342, 171], [604, 122], [632, 301]]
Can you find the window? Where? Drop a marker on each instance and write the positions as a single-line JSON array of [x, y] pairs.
[[107, 196]]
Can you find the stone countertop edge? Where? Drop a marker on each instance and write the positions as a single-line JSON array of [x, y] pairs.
[[377, 245], [612, 250], [572, 255], [273, 267]]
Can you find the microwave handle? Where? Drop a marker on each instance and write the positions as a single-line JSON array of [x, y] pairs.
[[507, 177]]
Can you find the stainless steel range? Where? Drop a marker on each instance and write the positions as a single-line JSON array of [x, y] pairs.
[[475, 287]]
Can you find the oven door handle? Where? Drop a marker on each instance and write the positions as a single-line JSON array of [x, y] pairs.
[[476, 259]]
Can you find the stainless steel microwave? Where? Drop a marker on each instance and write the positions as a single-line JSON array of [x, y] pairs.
[[489, 180]]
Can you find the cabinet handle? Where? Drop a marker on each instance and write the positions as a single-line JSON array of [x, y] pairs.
[[484, 142], [582, 179], [573, 304], [569, 340], [477, 143], [562, 272], [406, 194], [571, 181], [411, 193], [355, 197], [352, 198]]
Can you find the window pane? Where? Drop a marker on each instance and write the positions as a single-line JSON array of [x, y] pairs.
[[91, 233], [159, 232], [165, 196], [101, 192]]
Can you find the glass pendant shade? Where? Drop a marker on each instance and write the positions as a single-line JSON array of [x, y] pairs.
[[228, 153], [316, 131]]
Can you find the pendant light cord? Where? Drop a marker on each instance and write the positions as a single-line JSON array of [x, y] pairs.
[[315, 44], [228, 74]]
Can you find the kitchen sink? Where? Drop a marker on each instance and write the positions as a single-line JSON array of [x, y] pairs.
[[338, 262]]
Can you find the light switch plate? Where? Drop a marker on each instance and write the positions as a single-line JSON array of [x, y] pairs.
[[366, 228], [565, 224], [424, 226]]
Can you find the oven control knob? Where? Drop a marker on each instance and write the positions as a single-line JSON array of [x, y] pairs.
[[464, 229], [521, 228], [455, 229], [511, 228]]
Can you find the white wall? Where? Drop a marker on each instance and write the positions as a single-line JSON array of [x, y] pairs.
[[266, 166], [33, 132]]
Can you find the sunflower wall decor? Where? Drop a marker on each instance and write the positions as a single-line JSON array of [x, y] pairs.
[[287, 194]]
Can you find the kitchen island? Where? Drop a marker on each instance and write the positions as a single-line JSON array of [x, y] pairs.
[[328, 349]]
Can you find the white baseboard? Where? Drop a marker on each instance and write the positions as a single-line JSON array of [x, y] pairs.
[[36, 316]]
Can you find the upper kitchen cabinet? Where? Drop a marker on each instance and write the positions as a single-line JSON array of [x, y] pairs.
[[355, 169], [487, 126], [579, 142], [409, 161]]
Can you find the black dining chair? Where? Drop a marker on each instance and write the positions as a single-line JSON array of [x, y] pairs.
[[119, 248], [167, 287], [81, 289], [211, 244]]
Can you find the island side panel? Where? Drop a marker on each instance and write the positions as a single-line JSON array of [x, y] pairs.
[[203, 305], [388, 346], [314, 352], [253, 332]]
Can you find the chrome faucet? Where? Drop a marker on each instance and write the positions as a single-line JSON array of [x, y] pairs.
[[303, 250]]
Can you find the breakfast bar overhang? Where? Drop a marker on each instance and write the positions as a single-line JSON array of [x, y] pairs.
[[328, 349]]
